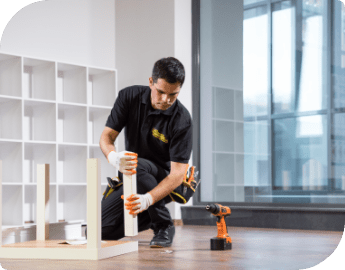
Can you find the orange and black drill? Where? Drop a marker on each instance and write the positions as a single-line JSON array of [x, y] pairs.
[[223, 240]]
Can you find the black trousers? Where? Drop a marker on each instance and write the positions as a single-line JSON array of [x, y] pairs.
[[149, 175]]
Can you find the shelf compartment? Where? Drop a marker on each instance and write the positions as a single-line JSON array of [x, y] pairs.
[[35, 153], [71, 83], [30, 203], [39, 79], [101, 87], [72, 203], [223, 136], [97, 119], [72, 124], [223, 103], [11, 156], [107, 170], [12, 205], [39, 121], [10, 118], [71, 164], [224, 168], [10, 75]]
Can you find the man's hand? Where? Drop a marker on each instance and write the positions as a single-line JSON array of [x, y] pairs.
[[125, 161], [137, 203]]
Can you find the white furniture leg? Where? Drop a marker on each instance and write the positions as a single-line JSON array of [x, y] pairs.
[[0, 203], [42, 213], [130, 187], [93, 204]]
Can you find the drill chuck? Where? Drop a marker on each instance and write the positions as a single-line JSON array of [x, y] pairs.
[[213, 208]]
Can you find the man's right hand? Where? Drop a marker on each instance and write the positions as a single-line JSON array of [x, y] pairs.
[[125, 161]]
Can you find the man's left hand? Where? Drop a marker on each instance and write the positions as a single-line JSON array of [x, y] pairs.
[[137, 203]]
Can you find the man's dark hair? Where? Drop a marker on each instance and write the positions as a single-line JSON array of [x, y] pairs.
[[170, 69]]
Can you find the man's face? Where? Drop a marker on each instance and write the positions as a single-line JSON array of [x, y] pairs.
[[163, 94]]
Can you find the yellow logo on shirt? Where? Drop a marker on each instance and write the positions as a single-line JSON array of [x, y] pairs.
[[159, 136]]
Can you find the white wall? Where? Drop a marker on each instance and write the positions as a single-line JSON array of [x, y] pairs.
[[147, 31], [75, 31], [129, 35]]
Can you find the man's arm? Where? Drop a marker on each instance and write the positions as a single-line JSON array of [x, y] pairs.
[[169, 183], [107, 140]]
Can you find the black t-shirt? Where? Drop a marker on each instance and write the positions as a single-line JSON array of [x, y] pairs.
[[157, 135]]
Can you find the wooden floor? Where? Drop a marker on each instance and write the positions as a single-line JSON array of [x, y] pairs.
[[252, 249]]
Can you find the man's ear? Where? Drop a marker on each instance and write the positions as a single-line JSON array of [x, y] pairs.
[[151, 81]]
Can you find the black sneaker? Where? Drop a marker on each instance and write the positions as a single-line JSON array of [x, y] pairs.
[[163, 237]]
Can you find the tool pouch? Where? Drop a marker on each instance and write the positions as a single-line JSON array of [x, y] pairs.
[[184, 192], [113, 185]]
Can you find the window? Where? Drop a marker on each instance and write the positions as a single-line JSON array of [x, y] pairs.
[[282, 139]]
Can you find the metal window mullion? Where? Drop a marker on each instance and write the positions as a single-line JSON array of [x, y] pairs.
[[196, 90], [270, 138], [328, 38]]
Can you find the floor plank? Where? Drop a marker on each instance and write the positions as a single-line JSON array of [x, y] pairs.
[[253, 248]]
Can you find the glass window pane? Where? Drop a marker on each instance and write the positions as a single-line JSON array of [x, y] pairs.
[[310, 58], [283, 48], [338, 146], [255, 61], [300, 153], [339, 54]]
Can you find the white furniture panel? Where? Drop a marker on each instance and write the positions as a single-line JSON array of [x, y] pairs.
[[11, 156], [107, 170], [39, 79], [72, 164], [10, 75], [97, 119], [39, 121], [72, 124], [100, 87], [51, 113], [36, 153], [10, 118], [12, 205], [71, 83]]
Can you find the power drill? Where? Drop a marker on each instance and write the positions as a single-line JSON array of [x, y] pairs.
[[223, 240]]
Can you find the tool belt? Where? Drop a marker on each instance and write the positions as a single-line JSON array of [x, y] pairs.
[[112, 185], [186, 190]]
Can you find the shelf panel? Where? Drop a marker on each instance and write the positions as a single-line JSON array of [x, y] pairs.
[[71, 83], [72, 124], [10, 75], [10, 118], [71, 164], [39, 121], [11, 156], [35, 153], [100, 87], [39, 79]]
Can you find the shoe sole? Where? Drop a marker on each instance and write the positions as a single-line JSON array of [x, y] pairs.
[[159, 246]]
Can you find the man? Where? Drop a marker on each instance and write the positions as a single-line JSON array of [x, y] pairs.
[[158, 128]]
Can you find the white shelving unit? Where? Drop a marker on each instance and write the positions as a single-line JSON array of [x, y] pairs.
[[51, 112], [227, 148]]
